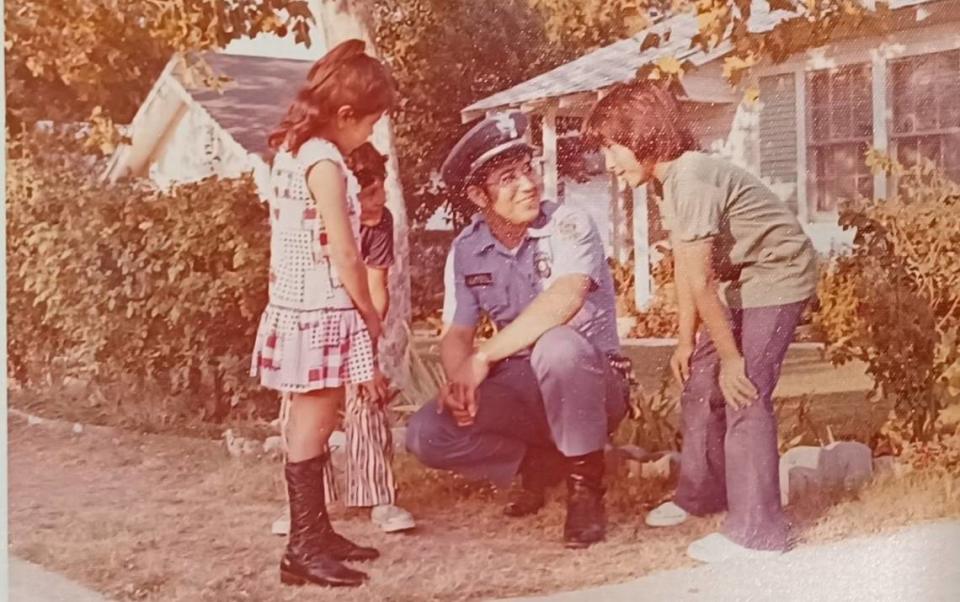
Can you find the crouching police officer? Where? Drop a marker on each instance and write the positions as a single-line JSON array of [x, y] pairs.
[[541, 396]]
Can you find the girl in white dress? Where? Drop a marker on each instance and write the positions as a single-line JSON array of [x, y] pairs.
[[319, 331]]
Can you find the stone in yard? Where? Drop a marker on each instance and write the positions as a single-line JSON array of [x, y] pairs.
[[77, 428], [234, 444], [885, 466], [634, 451], [251, 446], [948, 420], [663, 468], [629, 456], [399, 435], [338, 441], [808, 470], [34, 420], [273, 445], [634, 467]]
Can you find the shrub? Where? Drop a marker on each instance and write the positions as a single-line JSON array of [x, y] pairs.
[[652, 420], [893, 302], [659, 319], [122, 282]]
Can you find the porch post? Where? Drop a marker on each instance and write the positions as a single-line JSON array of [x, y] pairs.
[[878, 67], [642, 277], [550, 167]]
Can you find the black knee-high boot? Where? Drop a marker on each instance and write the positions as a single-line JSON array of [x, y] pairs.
[[306, 559]]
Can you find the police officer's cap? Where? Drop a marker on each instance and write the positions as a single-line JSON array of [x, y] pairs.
[[488, 139]]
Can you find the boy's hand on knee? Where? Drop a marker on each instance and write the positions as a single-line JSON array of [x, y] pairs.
[[735, 385]]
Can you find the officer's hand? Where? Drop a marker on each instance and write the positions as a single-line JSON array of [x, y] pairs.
[[464, 383], [447, 401], [680, 362]]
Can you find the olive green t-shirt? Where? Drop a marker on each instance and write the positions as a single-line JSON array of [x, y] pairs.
[[761, 255]]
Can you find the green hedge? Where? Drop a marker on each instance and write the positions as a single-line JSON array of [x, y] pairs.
[[122, 282]]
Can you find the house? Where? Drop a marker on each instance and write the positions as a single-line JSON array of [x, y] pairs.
[[817, 114], [186, 131]]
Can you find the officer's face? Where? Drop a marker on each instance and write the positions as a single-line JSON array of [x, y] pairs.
[[511, 192], [622, 163]]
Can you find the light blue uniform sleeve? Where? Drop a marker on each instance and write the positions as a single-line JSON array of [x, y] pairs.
[[459, 303], [578, 248]]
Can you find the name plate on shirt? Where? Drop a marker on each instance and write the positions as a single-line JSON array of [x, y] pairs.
[[484, 279]]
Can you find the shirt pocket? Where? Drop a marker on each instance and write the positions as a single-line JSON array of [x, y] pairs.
[[493, 301]]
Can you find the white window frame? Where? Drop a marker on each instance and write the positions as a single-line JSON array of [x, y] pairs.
[[894, 137], [938, 38], [815, 214]]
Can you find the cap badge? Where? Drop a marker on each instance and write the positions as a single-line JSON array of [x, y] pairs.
[[505, 124]]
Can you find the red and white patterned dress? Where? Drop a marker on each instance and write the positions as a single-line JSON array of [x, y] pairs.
[[310, 336]]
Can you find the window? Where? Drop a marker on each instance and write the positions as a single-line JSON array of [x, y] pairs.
[[925, 98], [839, 133]]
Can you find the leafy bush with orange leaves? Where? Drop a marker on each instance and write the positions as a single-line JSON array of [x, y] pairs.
[[893, 302], [659, 319]]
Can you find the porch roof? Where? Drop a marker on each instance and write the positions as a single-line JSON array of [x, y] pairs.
[[619, 62]]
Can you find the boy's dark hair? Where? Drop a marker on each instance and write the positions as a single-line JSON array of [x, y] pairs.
[[643, 116], [367, 164]]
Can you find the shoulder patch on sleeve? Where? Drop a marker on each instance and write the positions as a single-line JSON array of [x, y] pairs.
[[571, 225]]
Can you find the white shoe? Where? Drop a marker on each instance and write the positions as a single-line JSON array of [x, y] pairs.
[[667, 514], [391, 518], [281, 526], [717, 547]]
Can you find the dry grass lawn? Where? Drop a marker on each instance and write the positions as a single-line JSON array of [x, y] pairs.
[[153, 517]]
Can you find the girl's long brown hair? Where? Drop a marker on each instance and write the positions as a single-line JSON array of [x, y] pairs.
[[643, 116], [345, 76]]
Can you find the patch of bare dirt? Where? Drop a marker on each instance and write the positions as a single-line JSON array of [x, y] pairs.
[[151, 517]]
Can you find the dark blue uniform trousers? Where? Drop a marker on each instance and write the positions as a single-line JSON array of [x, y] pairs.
[[564, 394], [729, 459]]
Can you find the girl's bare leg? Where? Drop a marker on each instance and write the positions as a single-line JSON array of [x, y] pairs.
[[313, 417]]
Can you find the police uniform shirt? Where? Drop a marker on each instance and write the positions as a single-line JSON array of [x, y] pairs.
[[483, 276]]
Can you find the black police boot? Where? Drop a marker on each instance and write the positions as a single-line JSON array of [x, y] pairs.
[[541, 468], [586, 522], [306, 559]]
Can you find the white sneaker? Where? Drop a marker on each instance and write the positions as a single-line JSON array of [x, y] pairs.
[[391, 518], [281, 526], [667, 514], [717, 547]]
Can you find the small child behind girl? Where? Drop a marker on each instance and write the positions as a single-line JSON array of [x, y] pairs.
[[370, 479]]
